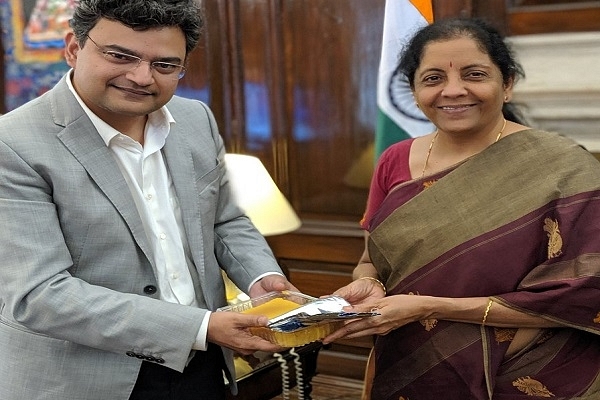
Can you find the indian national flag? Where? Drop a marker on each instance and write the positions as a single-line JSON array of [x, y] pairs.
[[399, 118]]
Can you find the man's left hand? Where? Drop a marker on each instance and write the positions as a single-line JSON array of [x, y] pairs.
[[271, 283]]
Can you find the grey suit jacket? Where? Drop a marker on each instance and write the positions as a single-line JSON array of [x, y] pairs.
[[77, 288]]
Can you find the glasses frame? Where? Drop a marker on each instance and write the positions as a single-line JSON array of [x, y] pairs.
[[125, 59]]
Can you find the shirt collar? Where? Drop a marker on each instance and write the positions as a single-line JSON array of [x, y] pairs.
[[160, 120]]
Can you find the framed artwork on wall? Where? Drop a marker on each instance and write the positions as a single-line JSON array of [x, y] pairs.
[[32, 37], [38, 31]]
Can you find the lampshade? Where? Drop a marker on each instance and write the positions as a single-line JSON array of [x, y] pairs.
[[257, 194]]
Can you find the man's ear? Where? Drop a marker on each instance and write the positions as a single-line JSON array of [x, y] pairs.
[[71, 49]]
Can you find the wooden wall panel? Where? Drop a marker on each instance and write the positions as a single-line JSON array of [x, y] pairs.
[[493, 11], [318, 248], [525, 17], [294, 83], [582, 16], [331, 71]]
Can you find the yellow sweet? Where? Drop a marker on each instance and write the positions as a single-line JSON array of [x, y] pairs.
[[272, 308], [299, 337]]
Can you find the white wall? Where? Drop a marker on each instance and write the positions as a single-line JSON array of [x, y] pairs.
[[561, 90]]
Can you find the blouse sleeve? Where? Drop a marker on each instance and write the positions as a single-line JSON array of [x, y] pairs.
[[392, 169]]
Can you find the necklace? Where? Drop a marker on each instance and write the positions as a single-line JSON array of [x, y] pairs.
[[437, 132]]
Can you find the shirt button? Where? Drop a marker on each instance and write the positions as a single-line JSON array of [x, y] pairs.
[[150, 289], [149, 197], [163, 236], [175, 276]]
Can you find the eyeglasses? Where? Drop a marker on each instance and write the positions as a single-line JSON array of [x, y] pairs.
[[130, 61]]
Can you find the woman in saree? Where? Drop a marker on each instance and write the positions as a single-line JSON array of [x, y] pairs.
[[482, 255]]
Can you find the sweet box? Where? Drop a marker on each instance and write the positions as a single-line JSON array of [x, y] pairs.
[[296, 319]]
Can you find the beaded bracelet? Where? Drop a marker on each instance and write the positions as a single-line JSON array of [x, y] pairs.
[[487, 310], [376, 281]]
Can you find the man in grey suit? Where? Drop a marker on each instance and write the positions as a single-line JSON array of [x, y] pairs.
[[117, 220]]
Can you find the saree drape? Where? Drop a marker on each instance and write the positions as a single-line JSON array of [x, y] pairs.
[[519, 223]]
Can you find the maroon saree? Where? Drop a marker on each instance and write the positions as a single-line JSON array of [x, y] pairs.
[[520, 223]]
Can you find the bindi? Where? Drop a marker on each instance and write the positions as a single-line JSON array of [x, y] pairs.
[[450, 64]]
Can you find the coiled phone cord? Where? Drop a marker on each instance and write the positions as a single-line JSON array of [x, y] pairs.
[[285, 374]]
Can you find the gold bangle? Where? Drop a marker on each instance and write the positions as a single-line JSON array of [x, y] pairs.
[[487, 310], [376, 281]]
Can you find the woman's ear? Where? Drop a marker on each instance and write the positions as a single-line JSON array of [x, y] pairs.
[[508, 90]]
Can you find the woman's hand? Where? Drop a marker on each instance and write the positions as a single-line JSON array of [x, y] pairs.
[[361, 291], [394, 312]]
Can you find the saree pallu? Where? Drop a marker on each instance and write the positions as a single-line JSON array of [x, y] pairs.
[[519, 223]]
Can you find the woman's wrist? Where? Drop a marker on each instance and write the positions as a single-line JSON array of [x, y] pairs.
[[375, 281], [469, 310]]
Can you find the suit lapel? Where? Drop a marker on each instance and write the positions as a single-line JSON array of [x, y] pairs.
[[180, 163], [181, 167], [83, 141]]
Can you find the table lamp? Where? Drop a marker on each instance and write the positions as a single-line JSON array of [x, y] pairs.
[[257, 194]]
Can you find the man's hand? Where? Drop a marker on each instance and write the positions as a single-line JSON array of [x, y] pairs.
[[271, 283], [230, 329]]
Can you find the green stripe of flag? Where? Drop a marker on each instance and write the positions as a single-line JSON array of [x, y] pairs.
[[387, 133]]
